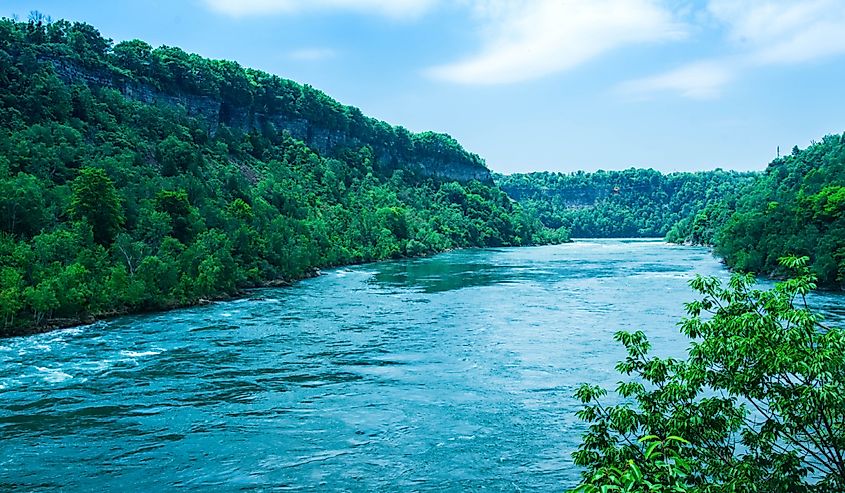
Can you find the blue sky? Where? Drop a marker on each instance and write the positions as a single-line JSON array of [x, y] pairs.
[[532, 85]]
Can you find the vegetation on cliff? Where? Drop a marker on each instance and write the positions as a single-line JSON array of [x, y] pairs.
[[613, 204], [796, 207], [118, 194]]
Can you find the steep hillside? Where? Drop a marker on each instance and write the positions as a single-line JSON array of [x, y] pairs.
[[797, 207], [222, 93], [134, 179], [629, 203]]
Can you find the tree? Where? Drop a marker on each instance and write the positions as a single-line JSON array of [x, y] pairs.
[[22, 205], [178, 207], [662, 470], [95, 200], [11, 299], [797, 206], [87, 43], [175, 155], [760, 398], [134, 55], [42, 300]]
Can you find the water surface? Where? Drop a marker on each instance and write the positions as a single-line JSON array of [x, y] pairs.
[[451, 373]]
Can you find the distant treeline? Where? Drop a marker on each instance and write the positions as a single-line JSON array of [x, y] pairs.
[[796, 207], [629, 203]]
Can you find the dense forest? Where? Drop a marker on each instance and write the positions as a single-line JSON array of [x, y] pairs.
[[796, 207], [614, 204], [134, 178]]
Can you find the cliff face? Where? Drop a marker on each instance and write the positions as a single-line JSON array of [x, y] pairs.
[[437, 162], [572, 198]]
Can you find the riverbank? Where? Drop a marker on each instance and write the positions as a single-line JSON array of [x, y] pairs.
[[66, 323]]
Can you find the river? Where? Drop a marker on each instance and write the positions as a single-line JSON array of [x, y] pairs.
[[449, 373]]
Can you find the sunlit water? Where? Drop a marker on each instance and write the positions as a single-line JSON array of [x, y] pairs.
[[450, 373]]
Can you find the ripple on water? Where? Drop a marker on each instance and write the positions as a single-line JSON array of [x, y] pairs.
[[449, 373], [53, 375], [141, 354]]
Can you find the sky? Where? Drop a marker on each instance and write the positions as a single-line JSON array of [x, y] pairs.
[[535, 85]]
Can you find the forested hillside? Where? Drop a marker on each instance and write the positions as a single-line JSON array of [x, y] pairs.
[[629, 203], [797, 207], [134, 178]]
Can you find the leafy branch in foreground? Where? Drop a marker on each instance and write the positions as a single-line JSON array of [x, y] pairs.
[[663, 470], [760, 401]]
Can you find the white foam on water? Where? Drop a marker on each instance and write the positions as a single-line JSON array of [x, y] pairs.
[[52, 375], [95, 366], [10, 384], [73, 331], [63, 334], [140, 354]]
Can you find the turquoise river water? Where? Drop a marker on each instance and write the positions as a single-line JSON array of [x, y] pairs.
[[450, 373]]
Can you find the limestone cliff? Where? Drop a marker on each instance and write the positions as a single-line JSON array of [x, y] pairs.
[[393, 149]]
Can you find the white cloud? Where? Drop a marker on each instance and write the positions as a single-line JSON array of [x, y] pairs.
[[527, 39], [312, 54], [698, 80], [759, 33], [784, 31], [391, 8]]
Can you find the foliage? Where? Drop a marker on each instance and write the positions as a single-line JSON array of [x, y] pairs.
[[629, 203], [96, 201], [797, 207], [759, 399], [139, 178], [664, 471]]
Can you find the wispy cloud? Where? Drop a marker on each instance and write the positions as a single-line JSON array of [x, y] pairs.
[[399, 9], [527, 39], [784, 31], [312, 54], [521, 40], [697, 80], [759, 33]]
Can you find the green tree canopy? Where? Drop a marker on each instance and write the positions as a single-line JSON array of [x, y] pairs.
[[95, 200]]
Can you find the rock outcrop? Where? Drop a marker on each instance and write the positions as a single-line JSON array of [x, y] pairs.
[[434, 162]]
